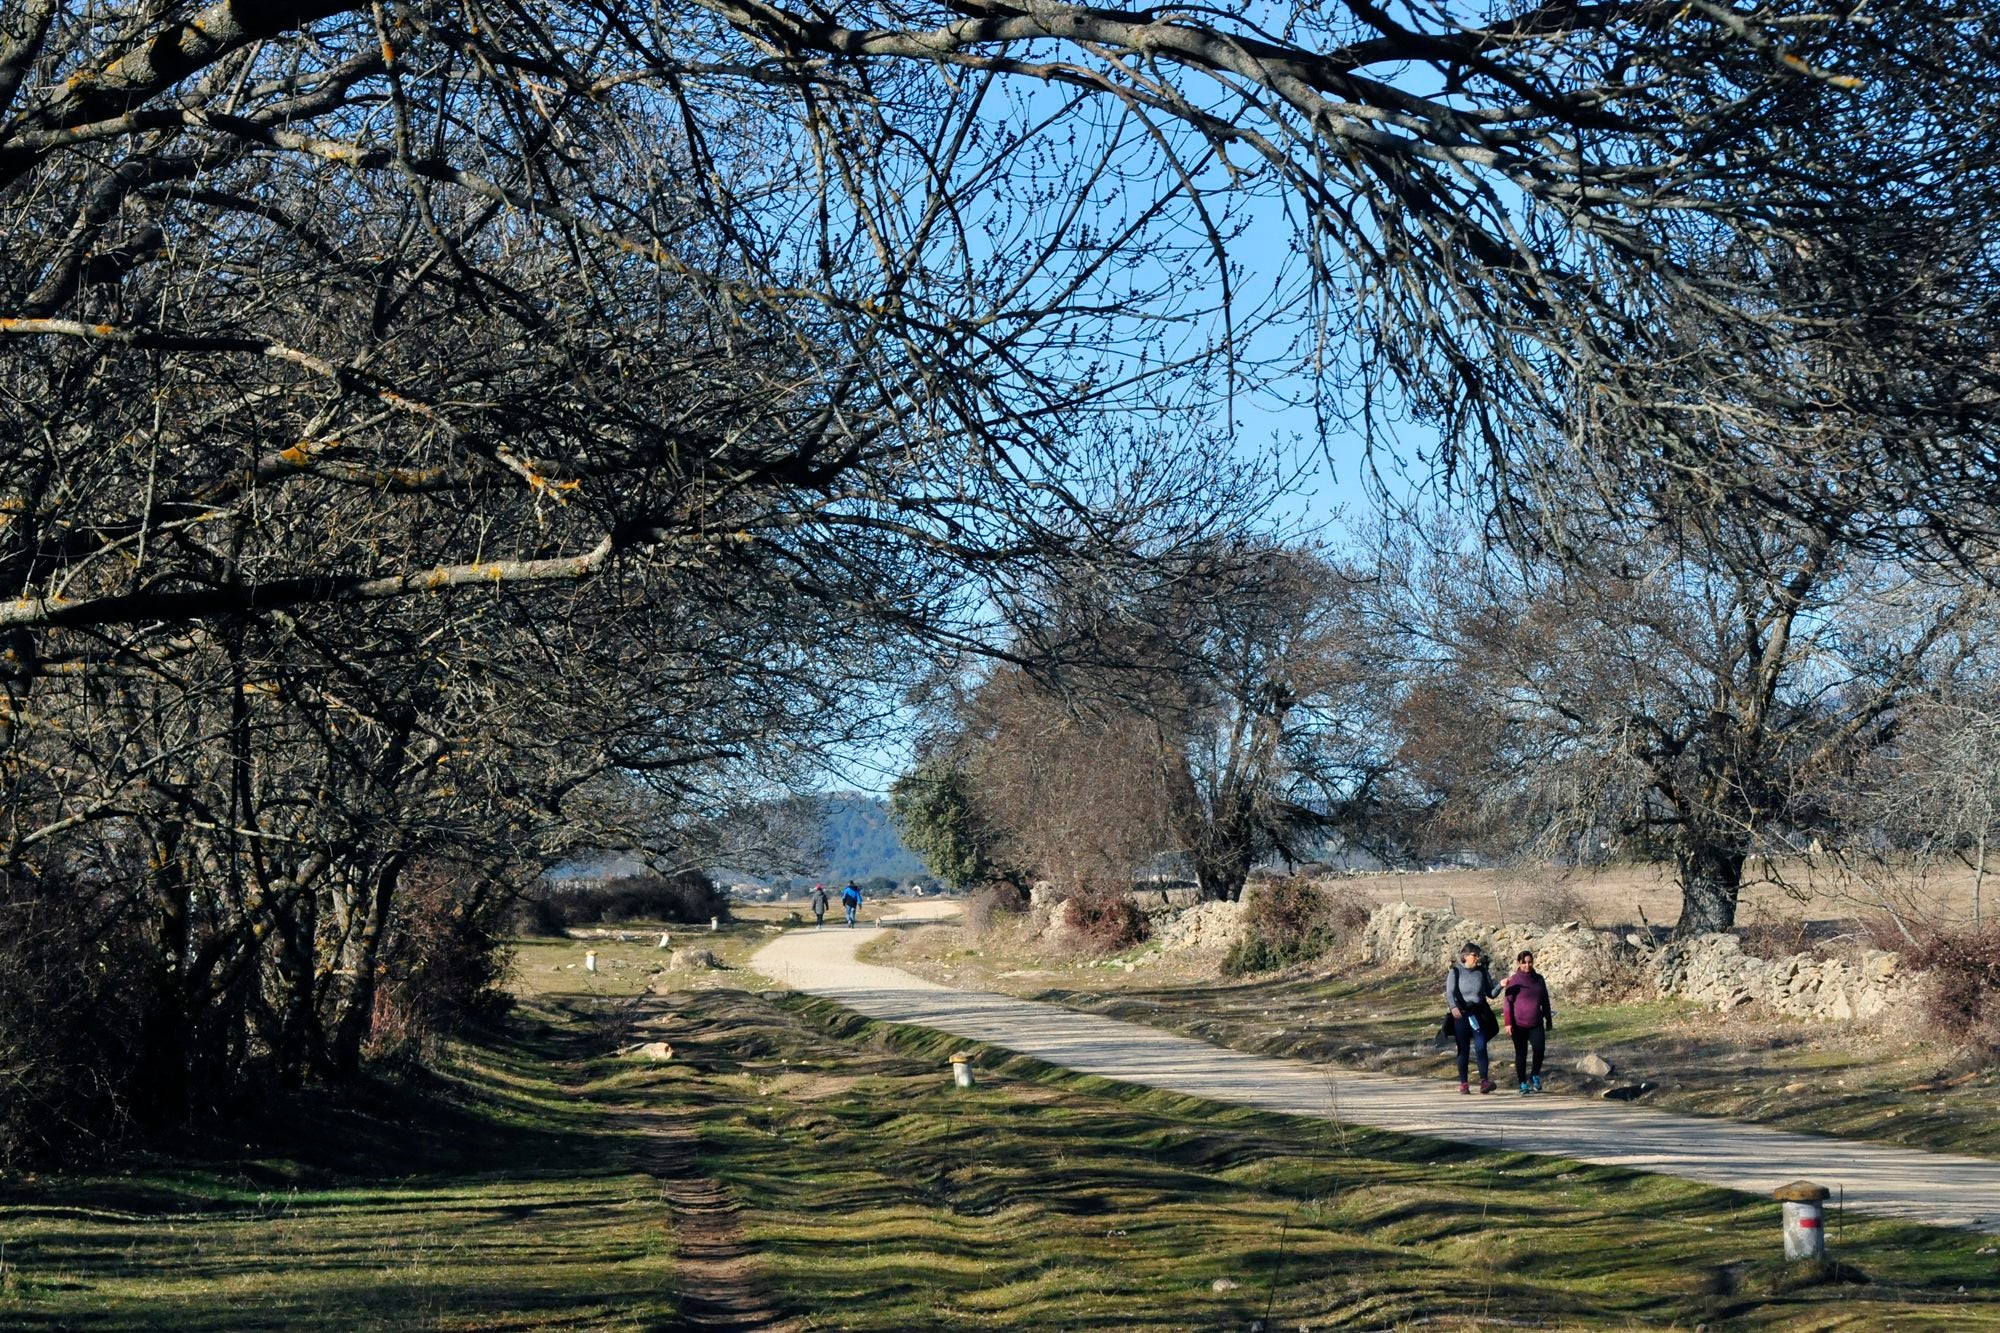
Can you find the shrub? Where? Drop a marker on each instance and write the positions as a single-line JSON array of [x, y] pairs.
[[1961, 994], [74, 996], [1107, 920], [1289, 922], [1551, 903], [688, 897], [443, 961], [1775, 937], [986, 906]]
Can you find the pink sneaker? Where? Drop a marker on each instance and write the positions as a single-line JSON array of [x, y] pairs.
[[1487, 1085], [1465, 1087]]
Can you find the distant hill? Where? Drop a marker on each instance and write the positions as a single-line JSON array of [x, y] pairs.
[[861, 841]]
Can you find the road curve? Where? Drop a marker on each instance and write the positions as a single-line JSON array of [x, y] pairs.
[[1934, 1188]]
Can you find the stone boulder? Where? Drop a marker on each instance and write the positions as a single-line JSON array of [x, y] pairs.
[[692, 960]]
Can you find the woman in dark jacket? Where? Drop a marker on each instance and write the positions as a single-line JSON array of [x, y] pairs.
[[1467, 988], [1526, 1014]]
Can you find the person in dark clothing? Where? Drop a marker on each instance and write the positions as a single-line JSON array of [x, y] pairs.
[[819, 905], [1468, 988], [1527, 1015], [850, 898]]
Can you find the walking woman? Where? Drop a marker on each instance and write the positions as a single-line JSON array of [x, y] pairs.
[[1527, 1014], [1467, 990]]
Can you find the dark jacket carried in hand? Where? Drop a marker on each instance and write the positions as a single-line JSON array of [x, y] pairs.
[[1527, 1004], [1467, 989]]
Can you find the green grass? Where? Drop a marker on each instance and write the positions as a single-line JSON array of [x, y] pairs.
[[511, 1191], [485, 1198], [880, 1198]]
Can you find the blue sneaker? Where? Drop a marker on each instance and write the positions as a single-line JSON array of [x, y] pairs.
[[1524, 1089], [1535, 1083]]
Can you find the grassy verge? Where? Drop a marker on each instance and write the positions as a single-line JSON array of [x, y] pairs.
[[512, 1191], [1862, 1083], [485, 1198], [630, 960], [882, 1199]]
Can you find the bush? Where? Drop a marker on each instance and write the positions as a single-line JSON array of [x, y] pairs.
[[1962, 986], [689, 897], [1552, 903], [1107, 920], [1289, 922], [74, 996], [1775, 937], [986, 906], [442, 963]]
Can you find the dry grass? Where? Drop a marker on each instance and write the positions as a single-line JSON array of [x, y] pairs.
[[1635, 895]]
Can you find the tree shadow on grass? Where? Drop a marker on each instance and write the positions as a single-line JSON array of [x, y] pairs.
[[480, 1193]]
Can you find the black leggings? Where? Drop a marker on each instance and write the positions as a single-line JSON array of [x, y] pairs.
[[1523, 1039]]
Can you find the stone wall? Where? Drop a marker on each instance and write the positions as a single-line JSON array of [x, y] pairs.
[[1713, 969], [1705, 969]]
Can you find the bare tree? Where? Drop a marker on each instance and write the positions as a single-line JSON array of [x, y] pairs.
[[1066, 786], [1697, 701], [1934, 796], [1218, 716]]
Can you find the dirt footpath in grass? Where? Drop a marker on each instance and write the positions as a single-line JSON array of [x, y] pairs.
[[1886, 1085]]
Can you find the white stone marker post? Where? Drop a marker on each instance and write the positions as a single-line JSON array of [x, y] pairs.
[[590, 961], [665, 939], [961, 1070], [714, 924], [1805, 1214]]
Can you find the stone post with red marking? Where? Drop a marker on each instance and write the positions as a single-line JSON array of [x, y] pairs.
[[1805, 1217]]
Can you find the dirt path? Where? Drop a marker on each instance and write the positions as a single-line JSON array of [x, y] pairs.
[[1934, 1188], [714, 1265], [715, 1268]]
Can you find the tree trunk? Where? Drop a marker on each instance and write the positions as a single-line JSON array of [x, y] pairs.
[[1220, 880], [1978, 876], [1711, 878], [354, 1010]]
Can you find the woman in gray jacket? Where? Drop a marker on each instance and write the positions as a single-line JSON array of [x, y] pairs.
[[1467, 989]]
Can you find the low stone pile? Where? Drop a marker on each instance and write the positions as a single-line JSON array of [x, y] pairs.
[[1713, 969], [1573, 957], [1704, 969], [1202, 927]]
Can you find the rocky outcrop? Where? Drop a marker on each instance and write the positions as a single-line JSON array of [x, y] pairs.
[[1703, 969]]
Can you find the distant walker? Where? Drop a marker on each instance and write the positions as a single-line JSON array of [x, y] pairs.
[[850, 899]]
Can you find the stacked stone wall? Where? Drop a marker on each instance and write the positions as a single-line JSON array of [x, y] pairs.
[[1703, 969]]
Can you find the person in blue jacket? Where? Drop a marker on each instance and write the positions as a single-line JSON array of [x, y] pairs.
[[850, 898]]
